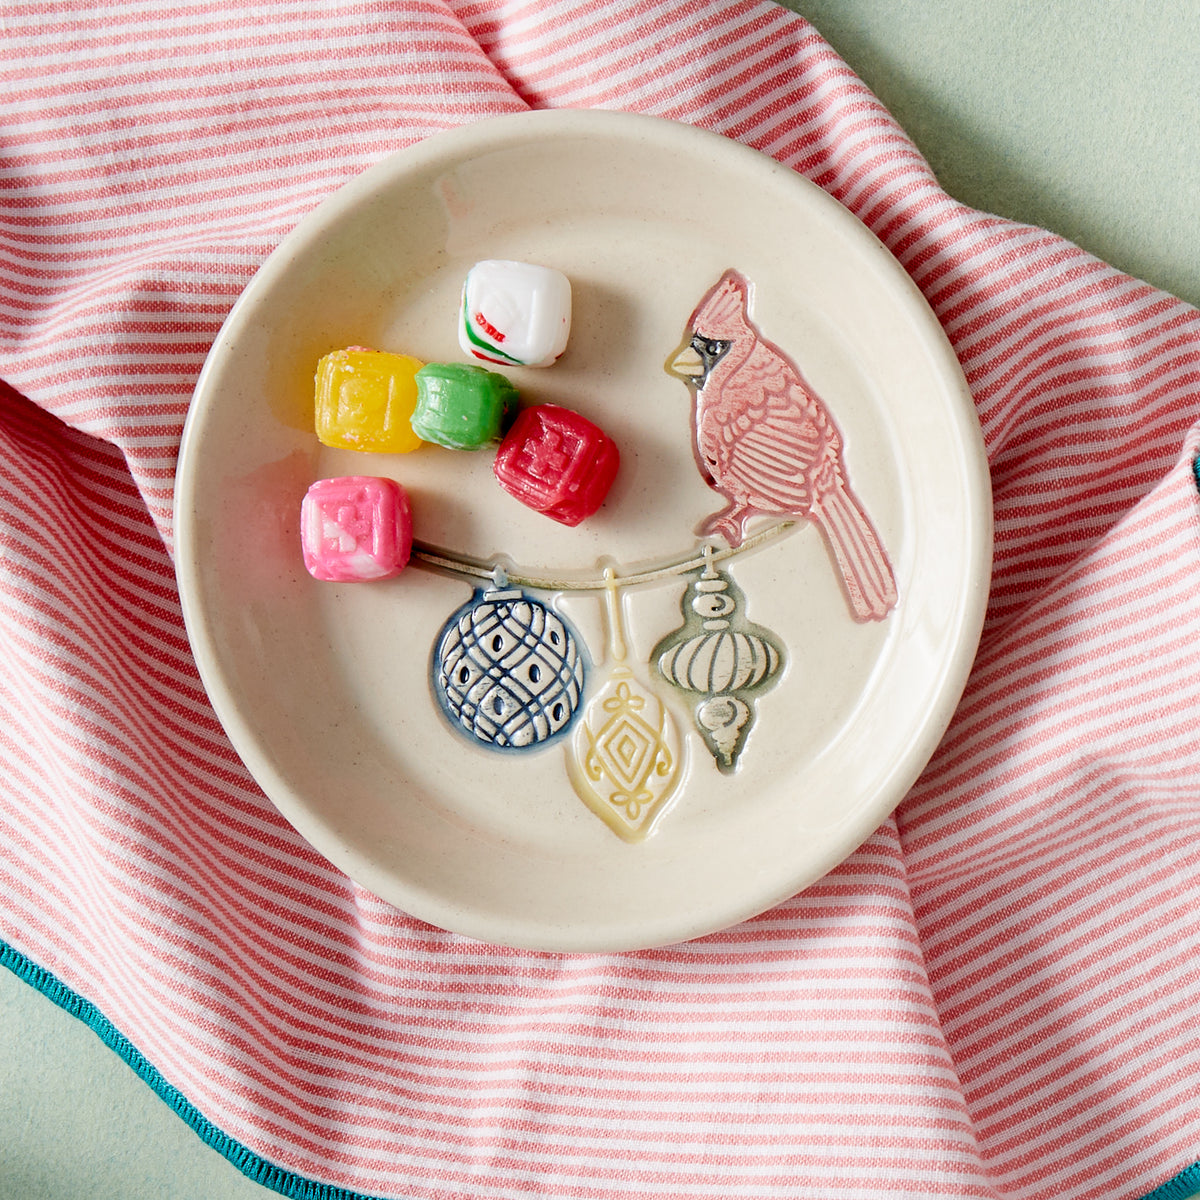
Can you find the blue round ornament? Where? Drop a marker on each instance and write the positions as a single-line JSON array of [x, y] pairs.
[[508, 671]]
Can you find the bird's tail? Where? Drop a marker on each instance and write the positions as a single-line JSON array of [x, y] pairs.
[[866, 572]]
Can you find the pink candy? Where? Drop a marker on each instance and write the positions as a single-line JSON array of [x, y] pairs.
[[355, 528]]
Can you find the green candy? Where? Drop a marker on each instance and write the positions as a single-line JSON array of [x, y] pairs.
[[461, 406]]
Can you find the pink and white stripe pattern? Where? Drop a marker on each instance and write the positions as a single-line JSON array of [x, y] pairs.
[[997, 996]]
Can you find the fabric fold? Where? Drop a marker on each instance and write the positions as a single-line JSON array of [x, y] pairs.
[[996, 996]]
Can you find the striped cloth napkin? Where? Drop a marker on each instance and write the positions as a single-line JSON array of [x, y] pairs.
[[998, 995]]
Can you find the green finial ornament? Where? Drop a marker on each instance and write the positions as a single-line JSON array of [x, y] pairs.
[[721, 661]]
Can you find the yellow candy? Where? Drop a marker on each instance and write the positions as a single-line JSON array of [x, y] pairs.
[[365, 400]]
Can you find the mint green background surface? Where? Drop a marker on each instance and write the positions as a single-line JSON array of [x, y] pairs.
[[1081, 117]]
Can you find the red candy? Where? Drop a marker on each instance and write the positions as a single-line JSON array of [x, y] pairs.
[[557, 462]]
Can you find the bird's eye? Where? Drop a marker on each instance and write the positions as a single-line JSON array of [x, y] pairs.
[[713, 348]]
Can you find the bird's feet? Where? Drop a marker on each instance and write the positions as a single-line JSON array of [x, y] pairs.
[[727, 524]]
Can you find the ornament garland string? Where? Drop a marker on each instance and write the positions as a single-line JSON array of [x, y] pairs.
[[438, 559]]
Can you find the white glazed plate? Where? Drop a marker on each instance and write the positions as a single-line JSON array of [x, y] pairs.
[[326, 689]]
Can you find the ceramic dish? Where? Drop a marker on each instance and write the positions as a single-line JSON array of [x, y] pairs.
[[736, 727]]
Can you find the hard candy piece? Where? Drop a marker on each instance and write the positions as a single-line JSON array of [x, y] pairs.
[[462, 406], [355, 528], [557, 462], [365, 400], [515, 313]]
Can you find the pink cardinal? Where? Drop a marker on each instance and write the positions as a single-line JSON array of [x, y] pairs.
[[767, 443]]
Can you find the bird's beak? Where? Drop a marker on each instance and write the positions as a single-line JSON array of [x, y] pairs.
[[685, 362]]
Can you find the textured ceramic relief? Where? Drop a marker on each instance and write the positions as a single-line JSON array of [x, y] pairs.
[[768, 443], [721, 661], [507, 670], [512, 674], [625, 761]]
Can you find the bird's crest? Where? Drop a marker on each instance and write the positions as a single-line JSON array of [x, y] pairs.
[[725, 311]]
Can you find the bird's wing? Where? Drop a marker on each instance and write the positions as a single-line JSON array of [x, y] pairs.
[[774, 443]]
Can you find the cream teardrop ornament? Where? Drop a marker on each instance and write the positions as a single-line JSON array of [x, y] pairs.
[[625, 760]]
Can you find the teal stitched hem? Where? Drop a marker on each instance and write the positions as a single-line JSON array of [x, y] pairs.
[[287, 1183], [251, 1165], [1184, 1185]]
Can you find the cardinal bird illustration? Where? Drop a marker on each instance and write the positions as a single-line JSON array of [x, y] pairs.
[[765, 440]]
